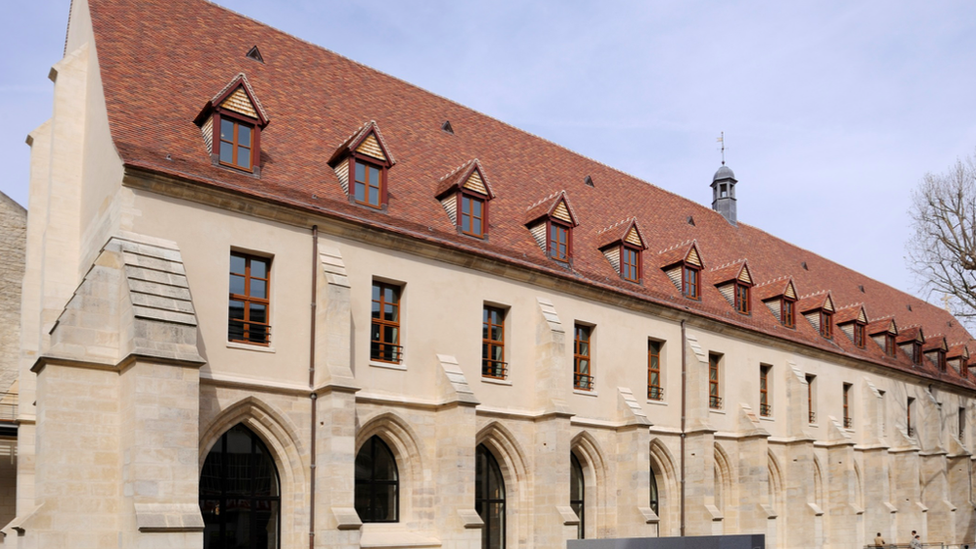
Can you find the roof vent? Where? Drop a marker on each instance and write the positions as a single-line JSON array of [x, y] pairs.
[[255, 54], [861, 287], [804, 265], [446, 126], [589, 181], [909, 306], [691, 221]]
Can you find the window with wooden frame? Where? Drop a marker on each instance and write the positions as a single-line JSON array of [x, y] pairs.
[[582, 361], [370, 182], [231, 124], [560, 240], [493, 363], [848, 418], [473, 214], [248, 315], [714, 388], [889, 344], [859, 334], [691, 281], [917, 353], [826, 324], [630, 263], [788, 312], [654, 389], [811, 401], [384, 339], [742, 302], [941, 360], [765, 407]]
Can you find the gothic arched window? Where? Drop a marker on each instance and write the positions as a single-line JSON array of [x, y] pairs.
[[377, 483], [489, 499], [239, 493], [577, 494]]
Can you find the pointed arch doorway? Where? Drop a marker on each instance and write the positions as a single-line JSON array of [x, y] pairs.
[[240, 494]]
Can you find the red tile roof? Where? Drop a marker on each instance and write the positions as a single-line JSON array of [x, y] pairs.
[[162, 62]]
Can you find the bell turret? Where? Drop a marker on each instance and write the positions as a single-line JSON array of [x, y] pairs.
[[723, 193]]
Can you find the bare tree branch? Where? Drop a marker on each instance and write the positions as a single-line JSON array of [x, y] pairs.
[[942, 248]]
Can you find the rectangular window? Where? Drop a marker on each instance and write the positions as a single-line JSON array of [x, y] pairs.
[[917, 354], [859, 334], [472, 216], [235, 144], [826, 324], [848, 419], [582, 365], [962, 424], [654, 390], [558, 242], [908, 416], [493, 343], [811, 400], [630, 264], [788, 313], [384, 339], [942, 361], [765, 407], [714, 393], [889, 344], [369, 184], [689, 282], [742, 299], [249, 302]]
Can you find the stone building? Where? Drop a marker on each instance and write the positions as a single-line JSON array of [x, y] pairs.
[[13, 239], [274, 298]]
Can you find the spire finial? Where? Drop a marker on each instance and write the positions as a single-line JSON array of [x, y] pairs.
[[721, 139]]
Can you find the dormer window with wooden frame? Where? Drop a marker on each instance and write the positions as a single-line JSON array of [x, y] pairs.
[[623, 246], [361, 163], [779, 296], [958, 358], [819, 309], [853, 322], [551, 222], [231, 123], [734, 282], [465, 193], [683, 265], [935, 349], [911, 340], [884, 331]]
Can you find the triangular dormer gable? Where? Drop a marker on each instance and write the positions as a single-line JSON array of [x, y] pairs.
[[367, 141], [681, 262], [883, 326], [737, 271], [469, 176], [815, 303], [625, 231], [958, 350], [779, 295], [935, 343], [237, 96], [686, 252], [911, 335], [555, 206], [851, 314]]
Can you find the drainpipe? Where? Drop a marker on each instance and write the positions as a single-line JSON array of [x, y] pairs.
[[684, 395], [311, 385]]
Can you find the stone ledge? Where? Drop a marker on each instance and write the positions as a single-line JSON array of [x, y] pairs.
[[168, 517]]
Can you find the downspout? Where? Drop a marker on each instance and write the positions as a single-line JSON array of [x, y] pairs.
[[684, 395], [311, 385]]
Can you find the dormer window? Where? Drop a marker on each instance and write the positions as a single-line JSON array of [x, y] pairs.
[[917, 353], [859, 335], [559, 240], [734, 282], [889, 346], [683, 265], [826, 324], [369, 183], [742, 305], [236, 143], [942, 360], [365, 157], [690, 276], [465, 194], [788, 312], [551, 222], [231, 123], [623, 246]]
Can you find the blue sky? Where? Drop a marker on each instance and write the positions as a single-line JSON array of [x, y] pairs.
[[833, 111]]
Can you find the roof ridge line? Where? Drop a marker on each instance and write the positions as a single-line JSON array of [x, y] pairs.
[[617, 224], [680, 244], [851, 306], [457, 169], [550, 197], [729, 264], [814, 294], [777, 279]]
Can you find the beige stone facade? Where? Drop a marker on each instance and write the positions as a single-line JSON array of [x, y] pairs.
[[124, 348], [13, 240]]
